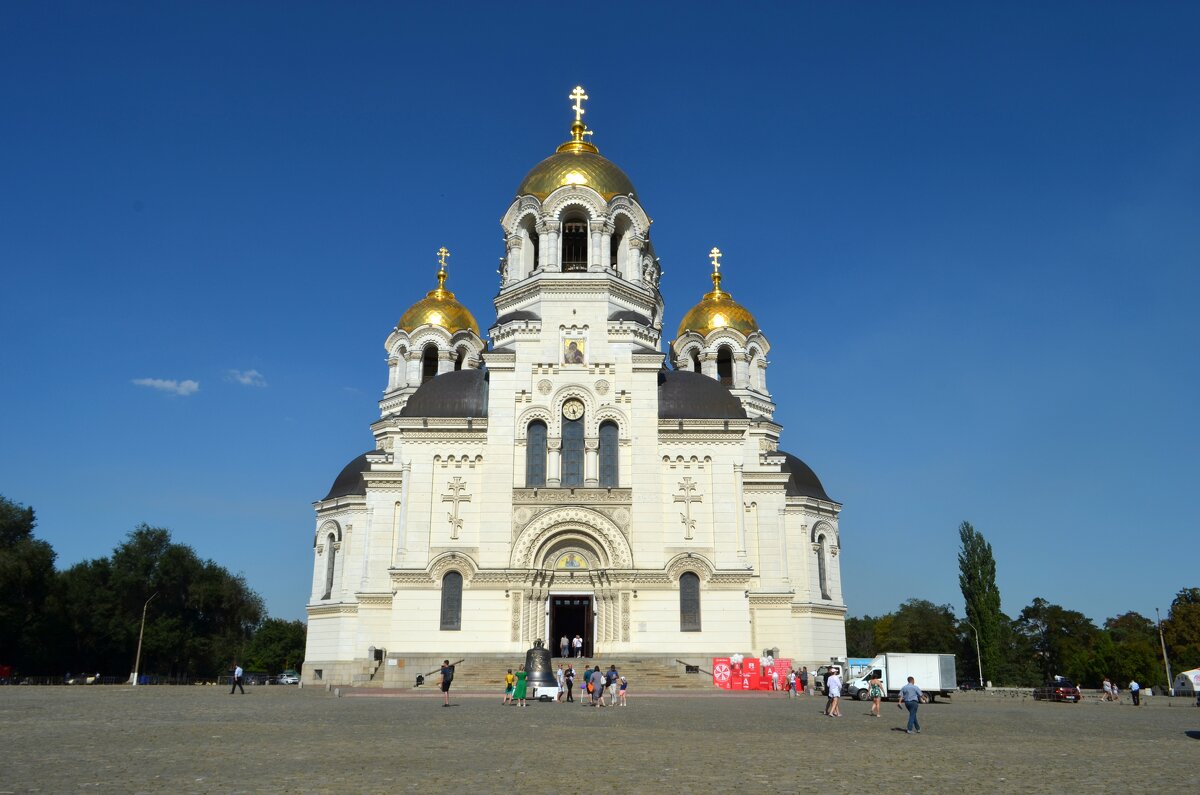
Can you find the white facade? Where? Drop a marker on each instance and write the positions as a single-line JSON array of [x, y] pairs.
[[452, 490]]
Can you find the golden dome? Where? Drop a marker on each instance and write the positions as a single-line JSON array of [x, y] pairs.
[[717, 309], [439, 308], [576, 162]]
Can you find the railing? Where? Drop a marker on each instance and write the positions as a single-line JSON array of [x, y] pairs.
[[688, 668]]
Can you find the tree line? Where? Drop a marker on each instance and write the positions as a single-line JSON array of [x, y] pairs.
[[198, 616], [1043, 641]]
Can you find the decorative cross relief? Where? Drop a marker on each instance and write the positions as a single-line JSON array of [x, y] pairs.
[[687, 496], [457, 497]]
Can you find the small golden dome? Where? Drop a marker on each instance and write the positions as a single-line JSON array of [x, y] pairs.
[[576, 162], [717, 309], [439, 307]]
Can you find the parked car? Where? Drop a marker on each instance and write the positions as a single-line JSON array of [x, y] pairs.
[[1058, 690], [289, 677]]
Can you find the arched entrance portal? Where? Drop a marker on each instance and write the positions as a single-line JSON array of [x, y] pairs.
[[571, 605]]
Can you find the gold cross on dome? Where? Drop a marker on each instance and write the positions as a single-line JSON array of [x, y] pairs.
[[578, 96], [715, 256], [442, 253]]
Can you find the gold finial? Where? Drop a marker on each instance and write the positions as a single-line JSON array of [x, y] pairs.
[[578, 96], [578, 128], [715, 255], [442, 253]]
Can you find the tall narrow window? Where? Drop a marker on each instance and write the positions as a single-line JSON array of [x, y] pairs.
[[695, 361], [575, 246], [452, 601], [725, 365], [572, 452], [689, 602], [535, 455], [461, 359], [608, 455], [330, 555], [429, 362], [821, 575]]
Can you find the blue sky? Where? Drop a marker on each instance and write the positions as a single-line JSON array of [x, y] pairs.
[[969, 231]]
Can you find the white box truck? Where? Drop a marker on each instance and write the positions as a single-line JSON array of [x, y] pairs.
[[934, 673]]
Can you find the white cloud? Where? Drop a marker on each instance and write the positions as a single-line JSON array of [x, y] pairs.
[[246, 377], [181, 388]]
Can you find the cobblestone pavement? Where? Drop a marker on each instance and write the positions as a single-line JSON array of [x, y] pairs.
[[284, 739]]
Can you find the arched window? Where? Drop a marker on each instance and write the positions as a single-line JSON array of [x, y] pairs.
[[461, 359], [725, 365], [452, 601], [695, 361], [330, 556], [535, 455], [575, 245], [821, 575], [608, 455], [689, 602], [429, 362], [572, 452]]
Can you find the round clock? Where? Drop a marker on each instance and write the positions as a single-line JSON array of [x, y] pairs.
[[573, 409]]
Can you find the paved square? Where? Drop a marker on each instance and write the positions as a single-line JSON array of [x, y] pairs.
[[283, 739]]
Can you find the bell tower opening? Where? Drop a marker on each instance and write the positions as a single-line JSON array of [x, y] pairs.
[[429, 362], [575, 245], [725, 365]]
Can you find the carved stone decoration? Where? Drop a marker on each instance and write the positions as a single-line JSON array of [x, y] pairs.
[[621, 517], [687, 495], [625, 617], [544, 386], [603, 531], [516, 615], [602, 387], [456, 496]]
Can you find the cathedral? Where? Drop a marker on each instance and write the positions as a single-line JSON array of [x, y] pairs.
[[564, 476]]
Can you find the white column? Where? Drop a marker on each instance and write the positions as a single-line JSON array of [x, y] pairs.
[[445, 361], [591, 463], [741, 510], [606, 230], [402, 530], [783, 547], [553, 462]]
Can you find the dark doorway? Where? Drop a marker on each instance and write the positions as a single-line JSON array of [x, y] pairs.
[[571, 616]]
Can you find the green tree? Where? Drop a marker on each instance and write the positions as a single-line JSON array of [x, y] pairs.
[[918, 626], [26, 579], [276, 646], [1135, 649], [1181, 630], [202, 618], [1061, 641], [977, 580], [860, 637]]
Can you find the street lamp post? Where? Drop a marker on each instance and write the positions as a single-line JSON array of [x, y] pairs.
[[1166, 663], [978, 659], [137, 661]]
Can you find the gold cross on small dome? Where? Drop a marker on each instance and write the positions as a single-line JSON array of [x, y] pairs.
[[442, 253], [715, 256], [578, 96]]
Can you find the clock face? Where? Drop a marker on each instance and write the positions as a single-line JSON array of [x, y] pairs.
[[573, 409]]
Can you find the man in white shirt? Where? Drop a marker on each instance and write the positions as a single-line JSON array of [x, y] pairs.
[[237, 680], [833, 688], [1135, 690]]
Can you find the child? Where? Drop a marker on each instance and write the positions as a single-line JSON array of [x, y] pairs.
[[624, 686], [510, 682]]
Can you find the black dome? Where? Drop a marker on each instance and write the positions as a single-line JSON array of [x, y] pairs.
[[459, 393], [627, 314], [803, 481], [350, 481], [692, 396], [520, 314]]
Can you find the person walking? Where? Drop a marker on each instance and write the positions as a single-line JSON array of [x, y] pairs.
[[791, 683], [447, 673], [597, 687], [237, 679], [585, 689], [876, 694], [561, 678], [774, 678], [510, 684], [577, 643], [910, 699], [564, 646], [624, 688], [569, 677], [833, 686], [612, 679], [519, 691], [1135, 690], [804, 679]]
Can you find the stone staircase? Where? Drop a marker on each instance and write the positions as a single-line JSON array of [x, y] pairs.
[[486, 672]]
